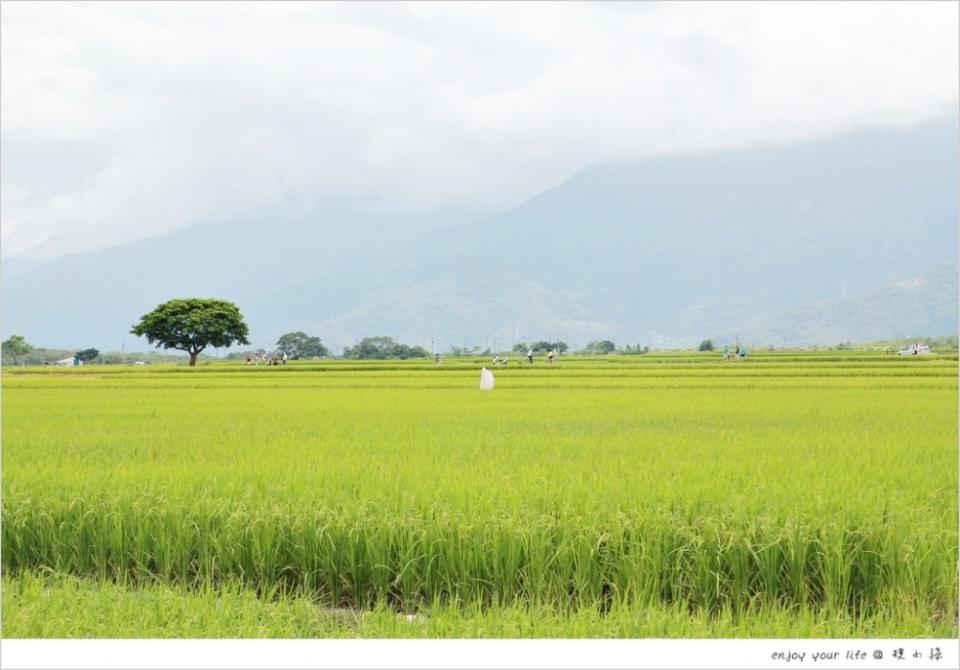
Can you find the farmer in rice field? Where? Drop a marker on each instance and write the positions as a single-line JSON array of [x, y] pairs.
[[530, 356]]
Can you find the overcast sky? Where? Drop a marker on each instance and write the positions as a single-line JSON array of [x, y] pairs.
[[121, 121]]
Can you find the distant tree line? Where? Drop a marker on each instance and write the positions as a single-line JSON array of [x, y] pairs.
[[193, 325], [383, 348], [599, 348], [607, 347], [943, 342], [17, 351]]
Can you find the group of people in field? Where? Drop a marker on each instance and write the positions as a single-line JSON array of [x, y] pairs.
[[273, 359], [503, 360], [739, 353], [552, 356]]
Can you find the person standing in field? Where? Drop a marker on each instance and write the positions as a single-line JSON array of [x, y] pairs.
[[284, 358], [726, 352], [551, 356], [530, 356]]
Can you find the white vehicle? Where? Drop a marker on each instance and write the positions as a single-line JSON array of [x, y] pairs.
[[915, 350]]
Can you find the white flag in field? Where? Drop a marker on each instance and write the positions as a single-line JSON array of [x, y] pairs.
[[486, 380]]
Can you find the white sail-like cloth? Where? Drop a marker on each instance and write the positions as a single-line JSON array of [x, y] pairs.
[[486, 380]]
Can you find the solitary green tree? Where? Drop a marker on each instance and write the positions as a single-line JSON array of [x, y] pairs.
[[300, 345], [706, 345], [192, 325], [15, 348]]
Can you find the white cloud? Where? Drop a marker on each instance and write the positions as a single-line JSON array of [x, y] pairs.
[[126, 120]]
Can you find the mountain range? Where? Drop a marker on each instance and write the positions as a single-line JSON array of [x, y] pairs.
[[845, 239]]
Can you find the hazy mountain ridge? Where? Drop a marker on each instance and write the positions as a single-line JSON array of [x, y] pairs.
[[923, 304], [767, 240], [745, 233]]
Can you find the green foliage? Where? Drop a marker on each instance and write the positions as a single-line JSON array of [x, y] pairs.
[[601, 347], [520, 348], [15, 348], [87, 355], [192, 325], [59, 606], [381, 348], [300, 345], [635, 350], [706, 345], [40, 355], [543, 346]]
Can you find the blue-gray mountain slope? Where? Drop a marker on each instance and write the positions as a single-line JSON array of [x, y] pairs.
[[682, 246]]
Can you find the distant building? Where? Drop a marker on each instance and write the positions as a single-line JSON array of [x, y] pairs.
[[69, 360]]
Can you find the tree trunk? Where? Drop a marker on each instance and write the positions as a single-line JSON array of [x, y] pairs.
[[193, 358]]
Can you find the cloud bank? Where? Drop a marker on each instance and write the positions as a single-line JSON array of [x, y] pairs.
[[121, 121]]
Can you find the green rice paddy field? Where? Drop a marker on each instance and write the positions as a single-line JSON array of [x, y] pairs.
[[789, 495]]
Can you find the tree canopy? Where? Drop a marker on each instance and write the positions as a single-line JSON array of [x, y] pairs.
[[15, 348], [192, 325], [382, 348], [543, 345], [300, 345], [600, 347], [87, 355]]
